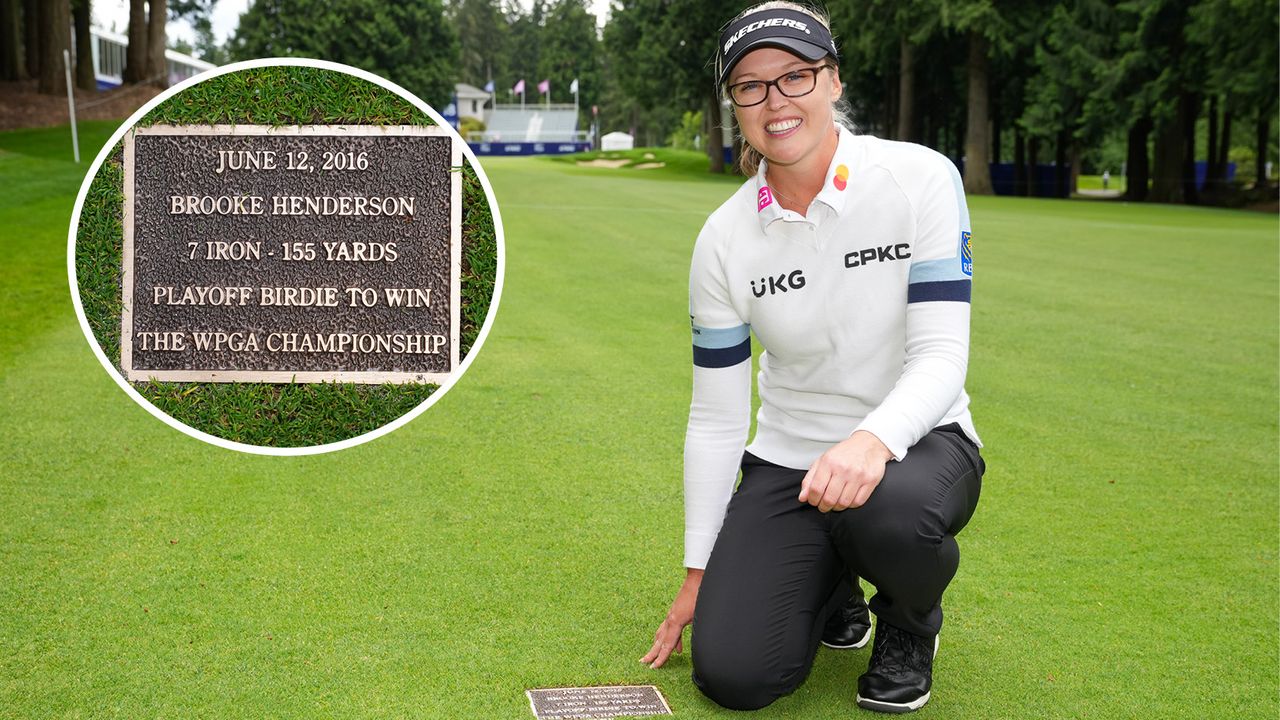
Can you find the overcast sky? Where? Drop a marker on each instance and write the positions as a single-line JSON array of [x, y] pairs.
[[114, 15]]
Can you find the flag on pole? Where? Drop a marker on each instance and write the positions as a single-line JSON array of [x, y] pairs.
[[573, 86], [519, 88], [488, 87], [544, 87]]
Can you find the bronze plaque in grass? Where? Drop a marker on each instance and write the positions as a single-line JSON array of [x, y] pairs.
[[291, 254], [597, 702]]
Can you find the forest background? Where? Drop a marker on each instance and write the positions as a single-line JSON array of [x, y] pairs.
[[1140, 87]]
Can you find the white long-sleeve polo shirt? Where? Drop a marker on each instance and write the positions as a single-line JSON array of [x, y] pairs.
[[862, 306]]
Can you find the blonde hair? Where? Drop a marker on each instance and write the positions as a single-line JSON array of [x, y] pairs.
[[749, 159]]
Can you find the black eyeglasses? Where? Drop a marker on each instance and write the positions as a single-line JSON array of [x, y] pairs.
[[796, 83]]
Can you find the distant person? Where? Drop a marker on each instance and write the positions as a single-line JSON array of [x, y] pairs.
[[849, 259], [1106, 178]]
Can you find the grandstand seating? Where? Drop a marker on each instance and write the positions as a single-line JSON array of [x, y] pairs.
[[532, 123]]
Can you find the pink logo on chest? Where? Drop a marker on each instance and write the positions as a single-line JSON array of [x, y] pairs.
[[764, 199]]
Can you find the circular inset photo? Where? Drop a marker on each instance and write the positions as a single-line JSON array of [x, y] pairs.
[[286, 256]]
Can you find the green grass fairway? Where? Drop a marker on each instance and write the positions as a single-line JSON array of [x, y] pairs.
[[1094, 182], [526, 530]]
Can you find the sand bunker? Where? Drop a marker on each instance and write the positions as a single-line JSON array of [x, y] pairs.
[[650, 166], [601, 162]]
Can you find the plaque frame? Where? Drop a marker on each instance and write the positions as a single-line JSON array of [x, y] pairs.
[[132, 374]]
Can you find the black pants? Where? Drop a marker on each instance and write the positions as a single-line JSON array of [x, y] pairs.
[[781, 567]]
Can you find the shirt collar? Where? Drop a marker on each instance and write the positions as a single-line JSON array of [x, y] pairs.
[[833, 193]]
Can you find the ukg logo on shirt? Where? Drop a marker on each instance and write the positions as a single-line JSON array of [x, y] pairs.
[[780, 283]]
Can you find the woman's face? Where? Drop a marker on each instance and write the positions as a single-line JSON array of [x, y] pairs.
[[785, 130]]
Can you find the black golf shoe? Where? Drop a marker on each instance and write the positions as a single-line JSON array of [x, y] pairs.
[[900, 674], [849, 627]]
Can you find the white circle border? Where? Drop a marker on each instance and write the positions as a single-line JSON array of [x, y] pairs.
[[137, 397]]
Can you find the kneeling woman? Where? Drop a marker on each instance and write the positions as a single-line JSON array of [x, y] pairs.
[[849, 259]]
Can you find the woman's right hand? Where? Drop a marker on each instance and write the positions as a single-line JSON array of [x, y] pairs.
[[669, 638]]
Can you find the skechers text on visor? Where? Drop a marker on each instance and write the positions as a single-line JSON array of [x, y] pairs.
[[796, 32]]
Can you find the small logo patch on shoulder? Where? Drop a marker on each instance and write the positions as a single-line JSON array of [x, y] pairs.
[[966, 253], [841, 178], [764, 198]]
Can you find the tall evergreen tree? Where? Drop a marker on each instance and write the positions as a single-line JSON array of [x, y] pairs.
[[1240, 38], [411, 43], [1170, 92], [482, 39], [31, 35], [633, 74], [135, 58], [157, 66], [13, 60], [988, 27], [664, 58], [55, 33], [144, 58], [882, 65], [81, 12], [569, 50], [1062, 102], [523, 47]]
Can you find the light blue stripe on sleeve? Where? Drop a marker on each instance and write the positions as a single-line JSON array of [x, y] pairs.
[[952, 268], [937, 271], [717, 338], [964, 207]]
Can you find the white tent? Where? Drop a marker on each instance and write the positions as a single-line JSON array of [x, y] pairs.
[[617, 141]]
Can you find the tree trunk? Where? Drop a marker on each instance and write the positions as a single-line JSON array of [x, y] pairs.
[[157, 67], [1019, 163], [1033, 174], [13, 63], [1263, 130], [1073, 179], [1061, 166], [55, 33], [135, 59], [995, 133], [906, 91], [889, 110], [1137, 168], [715, 138], [1170, 151], [977, 146], [1211, 170], [31, 30], [1224, 147], [81, 12], [1189, 106]]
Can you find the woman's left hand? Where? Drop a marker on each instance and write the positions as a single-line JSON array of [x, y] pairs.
[[846, 475]]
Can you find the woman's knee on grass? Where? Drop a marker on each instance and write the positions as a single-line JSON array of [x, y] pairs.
[[736, 683]]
